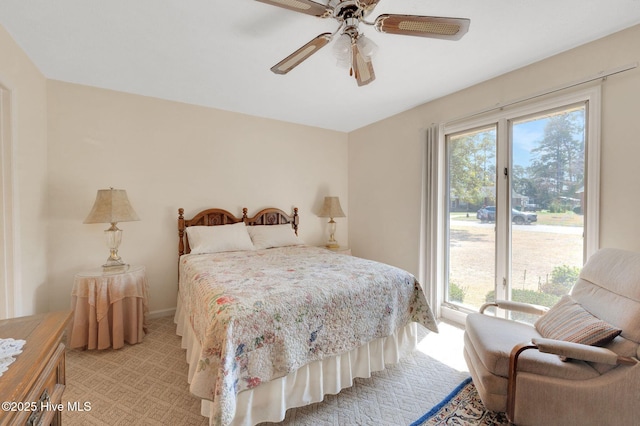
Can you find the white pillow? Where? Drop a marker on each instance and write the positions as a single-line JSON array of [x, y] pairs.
[[214, 239], [268, 236]]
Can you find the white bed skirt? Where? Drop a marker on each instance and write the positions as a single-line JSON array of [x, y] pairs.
[[269, 401]]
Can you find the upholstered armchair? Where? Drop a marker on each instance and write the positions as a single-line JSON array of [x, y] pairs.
[[578, 365]]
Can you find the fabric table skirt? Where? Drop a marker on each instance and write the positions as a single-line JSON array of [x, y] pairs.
[[110, 309]]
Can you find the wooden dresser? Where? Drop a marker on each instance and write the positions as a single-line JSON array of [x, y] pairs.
[[34, 383]]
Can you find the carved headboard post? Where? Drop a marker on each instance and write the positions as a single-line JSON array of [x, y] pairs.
[[180, 232], [296, 220], [244, 215]]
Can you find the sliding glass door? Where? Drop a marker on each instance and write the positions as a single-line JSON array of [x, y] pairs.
[[547, 188], [471, 193], [516, 197]]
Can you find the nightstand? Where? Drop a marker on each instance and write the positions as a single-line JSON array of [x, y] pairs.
[[110, 308]]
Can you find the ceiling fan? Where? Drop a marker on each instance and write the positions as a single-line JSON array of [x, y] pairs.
[[352, 46]]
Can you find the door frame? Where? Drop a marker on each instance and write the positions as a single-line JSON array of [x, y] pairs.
[[8, 247]]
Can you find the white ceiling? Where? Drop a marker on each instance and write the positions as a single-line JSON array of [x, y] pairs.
[[218, 53]]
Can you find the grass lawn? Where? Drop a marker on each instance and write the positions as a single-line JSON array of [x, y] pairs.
[[536, 251]]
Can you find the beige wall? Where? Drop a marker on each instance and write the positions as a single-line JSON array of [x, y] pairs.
[[71, 140], [385, 157], [169, 155], [27, 90]]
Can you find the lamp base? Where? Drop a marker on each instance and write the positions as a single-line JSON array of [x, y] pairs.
[[113, 261], [332, 245], [117, 267], [114, 237]]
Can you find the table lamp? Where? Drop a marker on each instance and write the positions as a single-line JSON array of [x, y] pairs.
[[112, 206], [331, 208]]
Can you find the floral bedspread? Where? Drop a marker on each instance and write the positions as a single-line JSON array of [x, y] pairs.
[[262, 314]]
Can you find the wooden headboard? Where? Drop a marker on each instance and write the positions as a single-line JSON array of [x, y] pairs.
[[215, 217]]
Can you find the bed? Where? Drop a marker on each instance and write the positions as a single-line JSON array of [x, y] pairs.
[[269, 323]]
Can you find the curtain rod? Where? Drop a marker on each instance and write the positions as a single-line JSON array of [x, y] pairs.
[[601, 75]]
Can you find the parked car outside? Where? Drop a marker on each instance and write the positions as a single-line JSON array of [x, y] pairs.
[[488, 214]]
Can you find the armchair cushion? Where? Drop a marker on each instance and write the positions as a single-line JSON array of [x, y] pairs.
[[493, 339], [569, 321]]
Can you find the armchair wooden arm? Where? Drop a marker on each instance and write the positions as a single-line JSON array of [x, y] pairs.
[[510, 305]]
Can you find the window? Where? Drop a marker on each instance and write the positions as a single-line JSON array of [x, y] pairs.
[[518, 203]]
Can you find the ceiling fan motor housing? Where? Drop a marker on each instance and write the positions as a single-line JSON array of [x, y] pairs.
[[347, 9]]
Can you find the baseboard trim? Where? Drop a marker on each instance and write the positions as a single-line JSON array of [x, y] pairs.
[[162, 313]]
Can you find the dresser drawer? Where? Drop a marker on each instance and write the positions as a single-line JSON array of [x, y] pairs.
[[47, 392], [34, 383]]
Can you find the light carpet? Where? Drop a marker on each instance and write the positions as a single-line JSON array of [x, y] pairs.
[[146, 384]]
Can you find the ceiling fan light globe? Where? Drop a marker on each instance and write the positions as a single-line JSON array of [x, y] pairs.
[[343, 62], [367, 47], [342, 51]]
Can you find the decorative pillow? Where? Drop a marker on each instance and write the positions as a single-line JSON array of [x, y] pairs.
[[269, 236], [569, 321], [215, 239]]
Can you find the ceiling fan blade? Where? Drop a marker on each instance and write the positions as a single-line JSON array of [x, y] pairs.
[[423, 26], [303, 6], [296, 58], [362, 66]]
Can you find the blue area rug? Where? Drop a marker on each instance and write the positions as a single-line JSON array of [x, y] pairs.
[[461, 407]]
